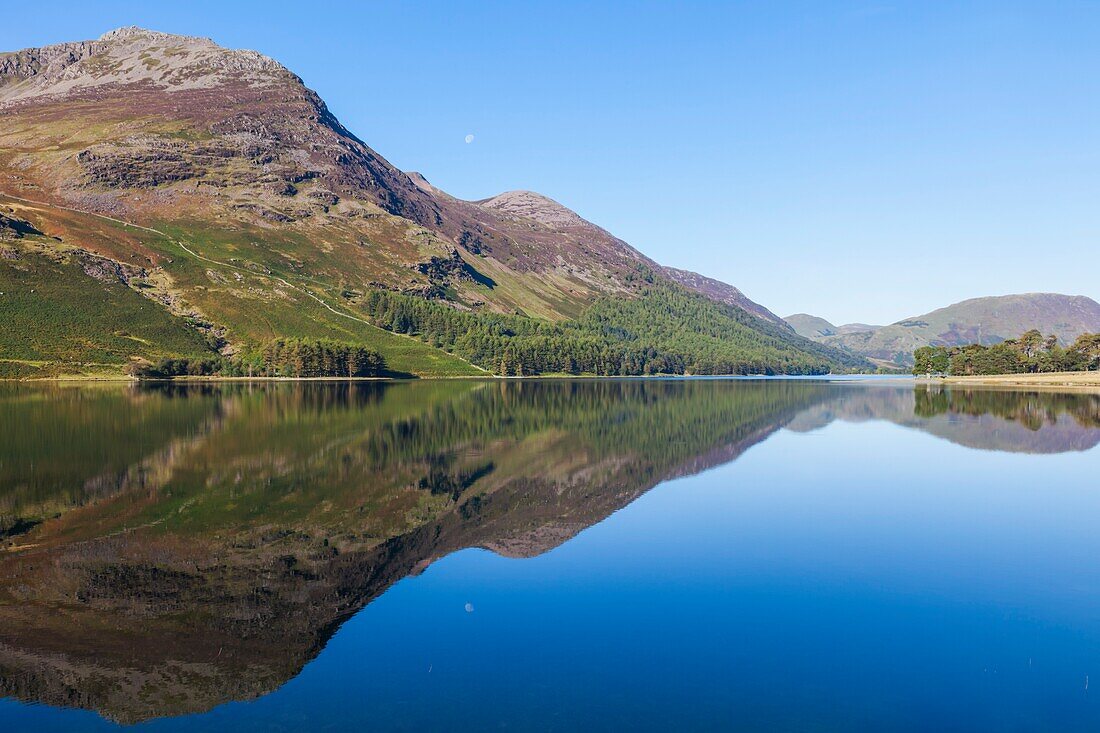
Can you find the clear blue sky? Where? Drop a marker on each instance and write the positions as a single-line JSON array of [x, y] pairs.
[[861, 161]]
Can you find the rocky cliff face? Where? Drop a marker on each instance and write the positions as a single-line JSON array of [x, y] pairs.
[[132, 56], [12, 227]]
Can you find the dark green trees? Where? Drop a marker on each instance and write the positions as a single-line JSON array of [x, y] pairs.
[[1029, 353], [667, 330], [279, 358], [1087, 348], [931, 360], [319, 358]]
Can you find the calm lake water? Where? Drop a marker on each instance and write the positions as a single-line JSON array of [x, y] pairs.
[[586, 555]]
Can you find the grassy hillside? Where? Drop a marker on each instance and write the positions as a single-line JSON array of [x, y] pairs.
[[809, 326], [56, 318], [251, 212], [55, 315], [246, 290]]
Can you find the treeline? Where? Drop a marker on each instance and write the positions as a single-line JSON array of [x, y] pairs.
[[667, 330], [503, 344], [319, 358], [1030, 353], [278, 358]]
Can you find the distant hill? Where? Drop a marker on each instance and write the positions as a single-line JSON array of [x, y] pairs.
[[978, 320], [811, 327], [815, 327], [856, 328]]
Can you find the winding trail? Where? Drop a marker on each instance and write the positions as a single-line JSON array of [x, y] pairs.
[[228, 265]]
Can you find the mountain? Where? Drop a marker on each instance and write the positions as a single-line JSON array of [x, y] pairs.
[[721, 292], [978, 320], [812, 327], [217, 187], [855, 328], [815, 327]]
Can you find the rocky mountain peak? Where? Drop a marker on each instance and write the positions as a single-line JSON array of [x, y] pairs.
[[132, 56], [425, 185], [535, 206], [133, 32]]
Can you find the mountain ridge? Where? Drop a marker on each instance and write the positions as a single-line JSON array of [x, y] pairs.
[[555, 215], [232, 158], [987, 320]]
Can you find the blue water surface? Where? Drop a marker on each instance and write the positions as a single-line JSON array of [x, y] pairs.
[[861, 575]]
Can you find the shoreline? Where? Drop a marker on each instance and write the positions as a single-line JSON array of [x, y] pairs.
[[122, 378], [1089, 381]]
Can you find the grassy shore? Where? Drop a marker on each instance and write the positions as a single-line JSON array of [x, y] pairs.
[[1061, 380]]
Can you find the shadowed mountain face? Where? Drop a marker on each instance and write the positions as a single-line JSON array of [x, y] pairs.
[[201, 544]]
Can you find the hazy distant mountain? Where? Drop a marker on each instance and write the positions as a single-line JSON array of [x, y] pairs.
[[815, 327], [855, 328], [811, 327], [281, 212], [979, 320]]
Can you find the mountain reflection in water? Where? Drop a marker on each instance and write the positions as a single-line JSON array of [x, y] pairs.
[[167, 549]]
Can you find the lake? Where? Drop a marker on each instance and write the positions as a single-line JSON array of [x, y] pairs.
[[786, 554]]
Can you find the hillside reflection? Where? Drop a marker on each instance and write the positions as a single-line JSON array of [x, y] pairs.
[[167, 549]]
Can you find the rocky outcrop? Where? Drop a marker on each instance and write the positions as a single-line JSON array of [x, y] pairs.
[[49, 62], [107, 270], [136, 168], [12, 227], [451, 268], [131, 56], [536, 207]]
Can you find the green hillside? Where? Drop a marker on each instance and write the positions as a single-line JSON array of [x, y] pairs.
[[810, 326], [220, 298], [56, 318], [248, 213]]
